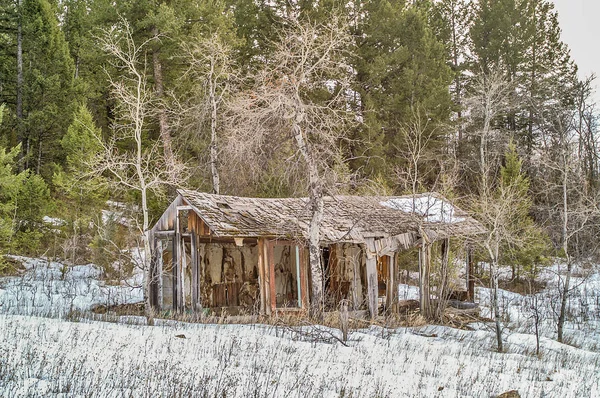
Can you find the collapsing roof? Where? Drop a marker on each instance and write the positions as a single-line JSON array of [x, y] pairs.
[[346, 219]]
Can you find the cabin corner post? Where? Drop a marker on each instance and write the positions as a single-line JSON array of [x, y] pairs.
[[196, 305], [372, 285], [177, 305]]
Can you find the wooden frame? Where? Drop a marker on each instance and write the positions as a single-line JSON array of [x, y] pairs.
[[269, 289]]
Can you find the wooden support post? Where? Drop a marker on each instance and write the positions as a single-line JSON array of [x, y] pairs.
[[443, 288], [392, 285], [298, 276], [159, 264], [424, 268], [271, 272], [304, 278], [175, 271], [262, 282], [372, 286], [470, 275], [356, 291], [153, 294], [195, 273], [183, 267]]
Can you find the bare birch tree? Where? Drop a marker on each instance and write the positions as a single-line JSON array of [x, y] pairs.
[[309, 61], [566, 190], [419, 175], [212, 65], [489, 98], [495, 207], [129, 158]]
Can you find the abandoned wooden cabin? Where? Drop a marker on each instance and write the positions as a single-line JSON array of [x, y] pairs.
[[233, 253]]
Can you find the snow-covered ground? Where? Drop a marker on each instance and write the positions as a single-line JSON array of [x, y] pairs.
[[582, 326], [43, 356], [52, 289]]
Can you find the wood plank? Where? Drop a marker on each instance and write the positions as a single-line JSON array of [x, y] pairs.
[[267, 277], [372, 284], [261, 276], [356, 291], [371, 268], [333, 271], [182, 269], [164, 233], [195, 273], [175, 271], [304, 278], [391, 291], [160, 273], [152, 285], [271, 262], [470, 275], [424, 268]]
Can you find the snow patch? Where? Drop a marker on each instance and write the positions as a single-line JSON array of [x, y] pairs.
[[433, 209]]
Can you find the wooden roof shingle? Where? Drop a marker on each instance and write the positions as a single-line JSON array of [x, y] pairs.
[[345, 218]]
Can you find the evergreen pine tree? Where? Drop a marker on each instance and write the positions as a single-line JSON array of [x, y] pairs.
[[401, 72]]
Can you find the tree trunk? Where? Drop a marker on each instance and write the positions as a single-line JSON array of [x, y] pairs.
[[493, 252], [19, 110], [483, 150], [163, 120], [565, 247], [443, 288], [214, 153], [457, 81], [314, 231]]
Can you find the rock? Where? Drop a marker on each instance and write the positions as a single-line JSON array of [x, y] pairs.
[[510, 394], [180, 336]]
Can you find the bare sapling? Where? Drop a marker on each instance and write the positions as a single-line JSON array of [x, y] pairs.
[[129, 159]]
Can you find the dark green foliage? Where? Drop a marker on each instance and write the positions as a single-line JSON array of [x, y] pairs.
[[402, 72], [415, 63], [80, 195], [534, 246]]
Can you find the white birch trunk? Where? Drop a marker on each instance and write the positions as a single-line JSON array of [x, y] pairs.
[[314, 231]]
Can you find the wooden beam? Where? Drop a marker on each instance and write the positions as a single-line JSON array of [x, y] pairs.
[[183, 266], [356, 292], [262, 283], [424, 271], [152, 286], [267, 273], [304, 278], [271, 263], [470, 275], [372, 285], [298, 276], [163, 233], [371, 268], [212, 239], [391, 287], [175, 255], [195, 273], [160, 273]]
